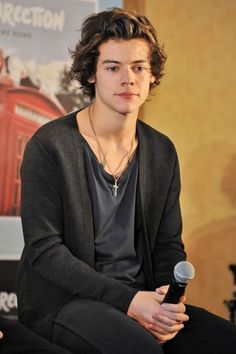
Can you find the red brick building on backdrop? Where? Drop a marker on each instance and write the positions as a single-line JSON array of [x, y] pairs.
[[22, 111]]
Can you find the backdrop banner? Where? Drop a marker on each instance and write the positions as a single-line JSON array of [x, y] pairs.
[[35, 38], [8, 299]]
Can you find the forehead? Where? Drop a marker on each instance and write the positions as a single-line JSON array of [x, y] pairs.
[[124, 50]]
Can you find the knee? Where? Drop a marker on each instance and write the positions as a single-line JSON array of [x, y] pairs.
[[135, 339]]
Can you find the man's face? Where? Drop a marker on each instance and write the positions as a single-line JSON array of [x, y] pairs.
[[123, 75]]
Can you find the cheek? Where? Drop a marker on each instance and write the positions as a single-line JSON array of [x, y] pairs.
[[146, 85], [108, 85], [104, 87]]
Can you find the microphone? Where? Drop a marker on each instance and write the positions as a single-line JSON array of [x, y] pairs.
[[183, 273]]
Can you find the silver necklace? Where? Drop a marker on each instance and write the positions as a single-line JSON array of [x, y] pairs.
[[100, 149]]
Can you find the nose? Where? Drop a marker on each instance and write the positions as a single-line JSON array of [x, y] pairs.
[[127, 78]]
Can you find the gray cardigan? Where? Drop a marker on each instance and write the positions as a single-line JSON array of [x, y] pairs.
[[58, 257]]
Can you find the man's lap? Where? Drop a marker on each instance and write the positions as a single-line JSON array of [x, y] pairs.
[[204, 333], [103, 329]]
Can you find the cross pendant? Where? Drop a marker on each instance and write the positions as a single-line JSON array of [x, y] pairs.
[[115, 188]]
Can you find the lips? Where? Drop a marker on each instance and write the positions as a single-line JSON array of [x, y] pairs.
[[127, 94]]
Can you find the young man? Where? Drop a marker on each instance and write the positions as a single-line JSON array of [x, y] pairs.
[[101, 215]]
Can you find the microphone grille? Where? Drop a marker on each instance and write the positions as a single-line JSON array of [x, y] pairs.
[[184, 272]]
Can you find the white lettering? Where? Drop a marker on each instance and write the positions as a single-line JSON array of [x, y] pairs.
[[6, 14], [7, 301], [35, 16], [47, 19], [16, 14], [25, 16], [58, 21]]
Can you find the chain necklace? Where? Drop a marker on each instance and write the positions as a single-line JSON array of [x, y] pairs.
[[100, 149]]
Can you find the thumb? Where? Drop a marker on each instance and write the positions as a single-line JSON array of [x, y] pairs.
[[162, 290]]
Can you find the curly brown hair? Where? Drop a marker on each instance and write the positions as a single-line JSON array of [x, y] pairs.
[[114, 23]]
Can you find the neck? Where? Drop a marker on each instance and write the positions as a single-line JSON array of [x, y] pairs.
[[114, 127], [111, 137]]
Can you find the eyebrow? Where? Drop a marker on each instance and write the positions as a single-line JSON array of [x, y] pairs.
[[112, 61]]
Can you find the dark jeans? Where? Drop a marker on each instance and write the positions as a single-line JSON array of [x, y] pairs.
[[90, 327], [20, 340]]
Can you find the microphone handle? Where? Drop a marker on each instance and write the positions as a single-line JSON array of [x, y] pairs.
[[174, 293]]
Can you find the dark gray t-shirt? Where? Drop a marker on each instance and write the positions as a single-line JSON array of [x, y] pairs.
[[114, 220]]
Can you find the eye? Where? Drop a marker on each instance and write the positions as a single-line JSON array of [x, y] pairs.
[[139, 68], [112, 68]]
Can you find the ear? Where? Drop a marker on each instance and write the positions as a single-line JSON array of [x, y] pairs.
[[152, 80], [92, 80]]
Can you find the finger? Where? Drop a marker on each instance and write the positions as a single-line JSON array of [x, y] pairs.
[[157, 329], [1, 335], [180, 307], [165, 320], [159, 337], [162, 338], [176, 316], [165, 329]]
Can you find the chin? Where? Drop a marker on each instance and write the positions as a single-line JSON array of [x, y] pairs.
[[128, 110]]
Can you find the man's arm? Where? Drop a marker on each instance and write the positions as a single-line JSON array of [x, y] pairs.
[[164, 321], [169, 247]]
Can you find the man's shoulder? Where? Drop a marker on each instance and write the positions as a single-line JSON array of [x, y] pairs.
[[156, 146], [153, 136], [56, 128]]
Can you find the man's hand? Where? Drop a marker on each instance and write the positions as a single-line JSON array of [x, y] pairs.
[[164, 321], [1, 335]]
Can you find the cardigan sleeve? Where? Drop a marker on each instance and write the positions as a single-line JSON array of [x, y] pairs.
[[169, 247], [42, 213]]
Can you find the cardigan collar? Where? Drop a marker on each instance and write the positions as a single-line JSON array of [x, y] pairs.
[[88, 230]]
